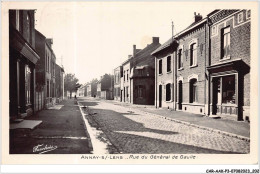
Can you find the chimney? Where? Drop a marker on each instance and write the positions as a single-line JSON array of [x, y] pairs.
[[49, 41], [155, 40], [134, 50], [197, 17], [129, 56]]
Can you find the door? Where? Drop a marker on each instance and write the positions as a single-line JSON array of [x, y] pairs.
[[121, 95], [160, 96], [180, 95], [216, 95]]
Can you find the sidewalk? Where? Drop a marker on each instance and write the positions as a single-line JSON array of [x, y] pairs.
[[230, 126], [62, 131]]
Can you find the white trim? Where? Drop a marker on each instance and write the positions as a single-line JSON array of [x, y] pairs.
[[193, 76], [192, 41], [225, 20], [179, 78]]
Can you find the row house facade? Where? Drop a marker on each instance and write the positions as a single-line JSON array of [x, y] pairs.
[[59, 74], [81, 92], [46, 68], [142, 75], [105, 87], [125, 81], [91, 89], [118, 73], [229, 65], [134, 79], [22, 61], [205, 68]]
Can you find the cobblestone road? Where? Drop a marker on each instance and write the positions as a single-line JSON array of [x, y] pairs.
[[132, 131]]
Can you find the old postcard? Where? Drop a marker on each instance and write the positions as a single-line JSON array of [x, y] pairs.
[[129, 82]]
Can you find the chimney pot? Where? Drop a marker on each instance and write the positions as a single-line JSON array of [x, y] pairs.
[[156, 40]]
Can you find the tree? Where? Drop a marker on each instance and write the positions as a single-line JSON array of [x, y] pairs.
[[71, 83]]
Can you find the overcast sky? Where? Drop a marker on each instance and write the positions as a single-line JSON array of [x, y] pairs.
[[93, 38]]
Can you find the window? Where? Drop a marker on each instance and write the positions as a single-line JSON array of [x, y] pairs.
[[193, 54], [160, 66], [180, 59], [124, 75], [169, 60], [214, 30], [127, 75], [141, 91], [127, 92], [28, 29], [141, 71], [228, 90], [28, 84], [168, 92], [193, 90], [225, 43], [17, 25], [240, 18]]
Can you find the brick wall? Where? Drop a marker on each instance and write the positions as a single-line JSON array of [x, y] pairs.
[[198, 36]]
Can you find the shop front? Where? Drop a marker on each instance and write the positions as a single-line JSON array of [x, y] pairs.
[[226, 88]]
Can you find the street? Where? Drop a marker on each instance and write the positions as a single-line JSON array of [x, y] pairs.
[[94, 126], [129, 130]]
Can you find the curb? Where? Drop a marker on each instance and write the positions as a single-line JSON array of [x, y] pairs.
[[198, 126], [86, 130]]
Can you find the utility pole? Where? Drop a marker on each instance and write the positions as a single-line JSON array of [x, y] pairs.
[[174, 57]]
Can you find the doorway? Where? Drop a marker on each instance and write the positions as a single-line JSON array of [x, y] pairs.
[[160, 96], [180, 95], [216, 95]]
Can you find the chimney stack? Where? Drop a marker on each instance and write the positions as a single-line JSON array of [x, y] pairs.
[[134, 50], [155, 40], [197, 17], [49, 41]]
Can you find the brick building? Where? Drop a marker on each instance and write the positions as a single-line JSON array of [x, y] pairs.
[[142, 75], [191, 60], [229, 65], [118, 73], [59, 74], [181, 82], [105, 87], [125, 81], [22, 60], [92, 89], [45, 70]]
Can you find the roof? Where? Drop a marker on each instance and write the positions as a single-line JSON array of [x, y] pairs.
[[145, 53], [163, 46], [171, 40]]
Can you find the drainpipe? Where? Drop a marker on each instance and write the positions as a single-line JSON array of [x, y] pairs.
[[209, 55], [205, 83], [155, 73]]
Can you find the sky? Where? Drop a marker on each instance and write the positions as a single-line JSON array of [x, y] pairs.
[[92, 38]]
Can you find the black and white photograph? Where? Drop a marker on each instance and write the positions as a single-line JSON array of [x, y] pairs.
[[130, 82]]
